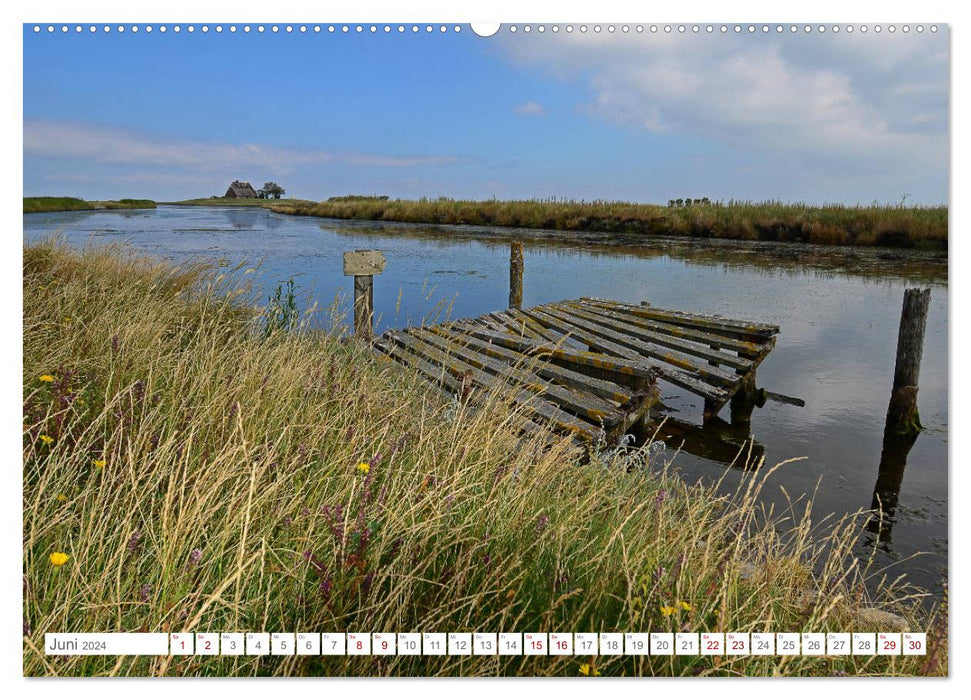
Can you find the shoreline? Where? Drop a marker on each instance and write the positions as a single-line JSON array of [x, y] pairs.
[[921, 228]]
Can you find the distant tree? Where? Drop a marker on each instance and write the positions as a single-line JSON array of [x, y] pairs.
[[271, 190]]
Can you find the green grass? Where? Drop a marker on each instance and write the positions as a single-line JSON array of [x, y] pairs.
[[891, 226], [205, 475], [33, 205]]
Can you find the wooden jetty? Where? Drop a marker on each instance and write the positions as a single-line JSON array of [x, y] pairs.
[[588, 367]]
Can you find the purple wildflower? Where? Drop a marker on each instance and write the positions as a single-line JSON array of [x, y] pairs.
[[133, 541], [195, 556], [144, 592]]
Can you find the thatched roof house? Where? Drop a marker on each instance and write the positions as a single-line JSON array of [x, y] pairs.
[[240, 190]]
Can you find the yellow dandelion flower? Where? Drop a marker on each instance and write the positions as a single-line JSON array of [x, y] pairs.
[[98, 463], [61, 497], [46, 439], [667, 610], [59, 558], [585, 669], [67, 319], [364, 467], [684, 605], [46, 378]]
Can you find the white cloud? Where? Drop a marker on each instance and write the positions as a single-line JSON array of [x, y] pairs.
[[530, 109], [117, 146], [879, 99]]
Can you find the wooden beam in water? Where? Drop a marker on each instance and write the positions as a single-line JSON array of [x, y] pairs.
[[676, 376], [712, 375], [712, 352], [624, 366], [748, 330], [745, 349]]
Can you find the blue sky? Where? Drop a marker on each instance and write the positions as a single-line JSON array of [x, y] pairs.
[[817, 118]]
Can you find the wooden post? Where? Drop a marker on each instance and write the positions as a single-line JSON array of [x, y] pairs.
[[516, 275], [902, 415], [363, 265], [364, 306]]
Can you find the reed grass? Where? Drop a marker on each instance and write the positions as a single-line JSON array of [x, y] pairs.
[[202, 475], [876, 225], [33, 205]]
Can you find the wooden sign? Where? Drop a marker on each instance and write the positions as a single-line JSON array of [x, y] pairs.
[[364, 262]]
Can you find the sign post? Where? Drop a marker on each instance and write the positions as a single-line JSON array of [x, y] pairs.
[[363, 265]]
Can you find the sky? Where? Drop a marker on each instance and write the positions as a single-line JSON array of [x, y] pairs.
[[820, 118]]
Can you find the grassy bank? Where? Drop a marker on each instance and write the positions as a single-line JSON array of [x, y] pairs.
[[204, 475], [891, 226], [34, 205]]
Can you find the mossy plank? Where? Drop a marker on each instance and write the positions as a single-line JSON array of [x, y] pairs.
[[584, 405], [711, 353], [708, 373], [531, 401]]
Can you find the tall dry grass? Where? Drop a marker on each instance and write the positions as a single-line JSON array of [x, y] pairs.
[[203, 478]]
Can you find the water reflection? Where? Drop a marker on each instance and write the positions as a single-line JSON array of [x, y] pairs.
[[886, 491], [773, 257]]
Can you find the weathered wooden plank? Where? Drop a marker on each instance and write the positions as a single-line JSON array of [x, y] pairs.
[[438, 375], [744, 348], [685, 380], [710, 374], [538, 328], [515, 326], [450, 387], [562, 375], [744, 329], [637, 367], [689, 348], [530, 401], [583, 405]]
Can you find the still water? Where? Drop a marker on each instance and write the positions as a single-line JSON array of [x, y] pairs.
[[838, 312]]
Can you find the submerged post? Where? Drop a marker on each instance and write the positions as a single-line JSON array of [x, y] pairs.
[[363, 265], [902, 415], [516, 275]]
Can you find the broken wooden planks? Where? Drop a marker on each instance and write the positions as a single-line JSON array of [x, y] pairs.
[[585, 367]]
